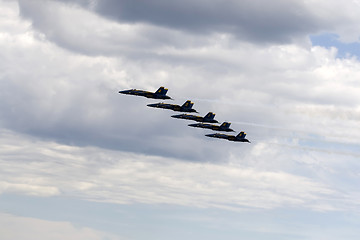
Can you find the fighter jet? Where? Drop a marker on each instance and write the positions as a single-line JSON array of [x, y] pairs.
[[238, 138], [223, 127], [186, 107], [208, 117], [159, 94]]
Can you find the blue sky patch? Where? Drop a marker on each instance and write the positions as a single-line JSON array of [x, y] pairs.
[[332, 40]]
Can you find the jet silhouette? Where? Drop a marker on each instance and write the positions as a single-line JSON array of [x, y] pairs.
[[223, 127], [186, 107], [159, 94], [238, 138], [208, 117]]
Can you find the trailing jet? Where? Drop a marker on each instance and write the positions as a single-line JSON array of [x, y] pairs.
[[223, 127], [238, 138], [159, 94], [208, 117], [186, 107]]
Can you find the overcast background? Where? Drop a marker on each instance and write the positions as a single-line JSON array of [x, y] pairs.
[[80, 161]]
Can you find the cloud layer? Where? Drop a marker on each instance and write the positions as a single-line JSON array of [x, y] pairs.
[[60, 76], [41, 168], [279, 22], [66, 133]]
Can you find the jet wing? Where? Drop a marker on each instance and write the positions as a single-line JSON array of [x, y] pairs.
[[134, 92], [163, 105], [184, 116], [218, 135]]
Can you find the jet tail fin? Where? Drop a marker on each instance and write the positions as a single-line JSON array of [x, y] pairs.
[[210, 116], [188, 104], [161, 91], [225, 125], [241, 135]]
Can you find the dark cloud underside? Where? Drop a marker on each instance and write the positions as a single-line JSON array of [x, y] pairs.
[[257, 21]]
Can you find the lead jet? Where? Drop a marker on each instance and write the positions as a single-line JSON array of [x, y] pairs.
[[208, 117], [159, 94], [238, 138], [186, 107], [225, 126]]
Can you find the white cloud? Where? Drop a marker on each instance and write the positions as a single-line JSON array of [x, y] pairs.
[[253, 180], [16, 227]]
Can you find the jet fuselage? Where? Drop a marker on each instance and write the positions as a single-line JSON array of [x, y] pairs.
[[159, 94], [195, 118], [173, 107], [238, 138], [222, 127]]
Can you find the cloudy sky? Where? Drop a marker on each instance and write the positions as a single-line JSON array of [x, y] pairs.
[[80, 161]]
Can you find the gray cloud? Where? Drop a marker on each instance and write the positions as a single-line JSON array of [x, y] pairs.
[[85, 32], [259, 21], [142, 29]]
